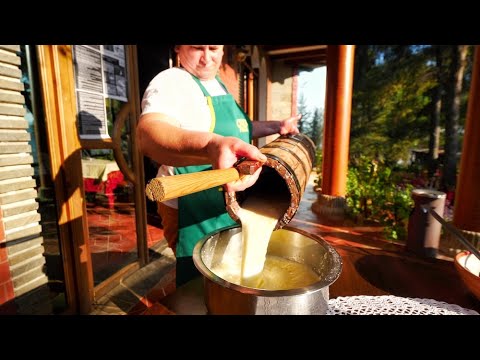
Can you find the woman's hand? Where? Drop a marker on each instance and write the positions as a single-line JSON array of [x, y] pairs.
[[225, 151], [290, 125]]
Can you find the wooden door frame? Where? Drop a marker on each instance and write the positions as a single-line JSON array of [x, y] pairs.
[[58, 94], [59, 99]]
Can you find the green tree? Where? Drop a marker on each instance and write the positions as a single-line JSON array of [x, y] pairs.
[[404, 96], [302, 108], [456, 70], [434, 136], [317, 127], [389, 112]]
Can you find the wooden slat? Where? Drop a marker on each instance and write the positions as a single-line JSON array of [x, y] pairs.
[[11, 48], [9, 58]]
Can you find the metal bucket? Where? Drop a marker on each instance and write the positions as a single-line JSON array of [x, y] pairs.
[[224, 297], [290, 159]]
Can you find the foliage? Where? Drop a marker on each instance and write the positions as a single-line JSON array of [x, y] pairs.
[[393, 99], [318, 169], [311, 123], [393, 113], [317, 126], [376, 192], [302, 108], [391, 105]]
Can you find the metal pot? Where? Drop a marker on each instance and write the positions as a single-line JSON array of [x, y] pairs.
[[223, 297]]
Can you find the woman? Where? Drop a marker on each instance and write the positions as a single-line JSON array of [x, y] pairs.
[[191, 123]]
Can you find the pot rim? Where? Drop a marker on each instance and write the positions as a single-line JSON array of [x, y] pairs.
[[327, 280], [463, 265]]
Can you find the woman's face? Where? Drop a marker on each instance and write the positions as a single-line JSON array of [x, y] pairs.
[[203, 61]]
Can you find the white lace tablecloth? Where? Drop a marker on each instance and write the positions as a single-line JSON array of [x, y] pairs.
[[393, 305]]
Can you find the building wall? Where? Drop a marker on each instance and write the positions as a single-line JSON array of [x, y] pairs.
[[228, 74], [280, 100], [281, 97], [23, 283]]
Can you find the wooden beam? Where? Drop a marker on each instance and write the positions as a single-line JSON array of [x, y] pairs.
[[295, 49]]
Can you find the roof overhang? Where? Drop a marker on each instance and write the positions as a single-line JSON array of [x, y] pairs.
[[298, 55]]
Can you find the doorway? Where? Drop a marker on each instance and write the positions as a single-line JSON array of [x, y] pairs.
[[98, 174], [152, 59]]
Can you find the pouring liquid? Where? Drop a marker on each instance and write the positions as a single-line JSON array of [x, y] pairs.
[[254, 268], [258, 217]]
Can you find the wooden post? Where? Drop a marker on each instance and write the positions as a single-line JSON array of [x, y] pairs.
[[336, 136], [466, 215]]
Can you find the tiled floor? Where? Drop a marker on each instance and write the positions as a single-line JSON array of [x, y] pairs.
[[139, 292], [112, 241], [113, 238], [113, 245]]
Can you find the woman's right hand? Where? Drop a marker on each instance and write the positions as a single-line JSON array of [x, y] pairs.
[[225, 151]]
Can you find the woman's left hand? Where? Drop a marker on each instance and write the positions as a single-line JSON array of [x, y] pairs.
[[290, 125]]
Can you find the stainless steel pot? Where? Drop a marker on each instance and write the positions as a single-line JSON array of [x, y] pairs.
[[223, 297]]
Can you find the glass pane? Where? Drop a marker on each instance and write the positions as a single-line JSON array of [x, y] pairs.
[[110, 214]]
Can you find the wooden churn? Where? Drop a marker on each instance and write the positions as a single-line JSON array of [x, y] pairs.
[[289, 163], [290, 159]]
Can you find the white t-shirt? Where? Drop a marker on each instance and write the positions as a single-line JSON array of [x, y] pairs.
[[173, 92]]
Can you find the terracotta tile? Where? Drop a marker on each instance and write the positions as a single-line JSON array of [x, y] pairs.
[[5, 275], [159, 292], [114, 238], [158, 309], [124, 246], [94, 248], [138, 309], [3, 252], [6, 292]]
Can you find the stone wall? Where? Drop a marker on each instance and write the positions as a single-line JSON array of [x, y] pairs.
[[282, 79], [23, 283], [281, 94]]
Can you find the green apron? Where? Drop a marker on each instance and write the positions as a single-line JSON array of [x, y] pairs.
[[205, 212]]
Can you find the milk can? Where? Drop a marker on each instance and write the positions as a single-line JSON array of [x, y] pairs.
[[423, 229]]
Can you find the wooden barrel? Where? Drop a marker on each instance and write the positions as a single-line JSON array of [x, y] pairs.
[[289, 163]]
